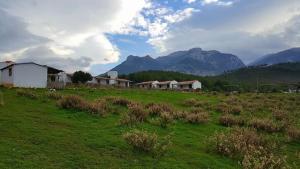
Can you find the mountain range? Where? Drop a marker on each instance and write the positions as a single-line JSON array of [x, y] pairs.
[[290, 55], [194, 61], [200, 62]]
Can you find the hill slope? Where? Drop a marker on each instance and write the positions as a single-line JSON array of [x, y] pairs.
[[194, 61], [283, 73], [290, 55]]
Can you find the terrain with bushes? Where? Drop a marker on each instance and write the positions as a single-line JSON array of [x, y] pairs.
[[131, 128], [265, 78]]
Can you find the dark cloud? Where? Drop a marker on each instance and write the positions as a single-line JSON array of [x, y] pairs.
[[13, 34]]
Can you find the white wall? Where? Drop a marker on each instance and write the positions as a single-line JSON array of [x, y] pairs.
[[112, 74], [197, 85], [173, 84], [30, 75]]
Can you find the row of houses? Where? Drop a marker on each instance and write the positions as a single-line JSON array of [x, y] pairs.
[[33, 75], [185, 85]]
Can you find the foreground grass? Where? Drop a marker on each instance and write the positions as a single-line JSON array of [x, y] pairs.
[[35, 133]]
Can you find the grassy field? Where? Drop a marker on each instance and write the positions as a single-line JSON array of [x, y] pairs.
[[36, 133]]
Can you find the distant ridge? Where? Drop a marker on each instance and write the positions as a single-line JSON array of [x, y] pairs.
[[290, 55], [194, 61]]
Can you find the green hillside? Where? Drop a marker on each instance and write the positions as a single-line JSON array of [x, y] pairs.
[[198, 130], [281, 76]]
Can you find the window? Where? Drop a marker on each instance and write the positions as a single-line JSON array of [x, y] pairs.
[[9, 71]]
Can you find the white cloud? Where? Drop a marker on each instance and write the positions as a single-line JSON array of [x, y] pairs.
[[75, 29], [217, 2]]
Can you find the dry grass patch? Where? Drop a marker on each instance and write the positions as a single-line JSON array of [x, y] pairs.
[[230, 120], [265, 125], [136, 114], [27, 93], [249, 147], [54, 95], [147, 142], [156, 109], [98, 107], [293, 133], [197, 116]]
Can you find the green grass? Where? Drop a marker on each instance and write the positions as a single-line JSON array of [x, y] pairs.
[[38, 134]]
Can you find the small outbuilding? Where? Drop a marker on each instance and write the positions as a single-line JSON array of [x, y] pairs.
[[29, 74], [167, 85], [189, 85], [148, 85]]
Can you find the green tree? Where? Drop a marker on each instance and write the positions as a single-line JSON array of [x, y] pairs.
[[81, 77]]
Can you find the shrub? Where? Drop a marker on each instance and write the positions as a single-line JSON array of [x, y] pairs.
[[230, 120], [293, 133], [98, 107], [165, 119], [235, 110], [158, 108], [236, 142], [190, 102], [136, 114], [73, 102], [265, 125], [260, 158], [118, 101], [54, 95], [222, 108], [197, 116], [279, 114], [180, 114], [147, 142], [27, 93]]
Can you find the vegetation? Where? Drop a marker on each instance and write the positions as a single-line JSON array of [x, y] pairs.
[[262, 78], [81, 77], [80, 128]]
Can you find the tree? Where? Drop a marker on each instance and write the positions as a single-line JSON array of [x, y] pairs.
[[81, 77]]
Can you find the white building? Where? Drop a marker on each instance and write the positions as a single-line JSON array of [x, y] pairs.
[[148, 85], [189, 85], [33, 75], [30, 75], [111, 79], [167, 85]]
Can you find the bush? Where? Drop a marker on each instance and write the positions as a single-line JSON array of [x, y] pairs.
[[190, 102], [165, 119], [293, 133], [236, 142], [265, 125], [136, 114], [279, 114], [197, 116], [54, 95], [98, 107], [81, 77], [222, 108], [236, 110], [259, 158], [157, 109], [118, 101], [73, 102], [27, 93], [230, 120], [147, 142]]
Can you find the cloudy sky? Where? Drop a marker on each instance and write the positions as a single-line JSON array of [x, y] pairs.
[[96, 35]]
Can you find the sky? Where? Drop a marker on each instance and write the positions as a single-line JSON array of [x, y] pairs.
[[97, 35]]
